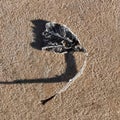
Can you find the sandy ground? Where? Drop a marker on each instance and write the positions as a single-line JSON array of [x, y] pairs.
[[28, 74]]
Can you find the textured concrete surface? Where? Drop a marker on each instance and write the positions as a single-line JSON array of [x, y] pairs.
[[94, 96]]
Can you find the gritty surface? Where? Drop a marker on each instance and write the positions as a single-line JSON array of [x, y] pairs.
[[93, 96]]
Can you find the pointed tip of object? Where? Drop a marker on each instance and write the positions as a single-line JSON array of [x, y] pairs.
[[46, 100]]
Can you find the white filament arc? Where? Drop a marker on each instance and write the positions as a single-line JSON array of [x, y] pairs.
[[71, 81]]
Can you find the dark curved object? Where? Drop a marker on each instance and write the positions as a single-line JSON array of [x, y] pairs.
[[71, 70]]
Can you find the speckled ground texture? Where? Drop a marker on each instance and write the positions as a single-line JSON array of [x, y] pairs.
[[39, 74]]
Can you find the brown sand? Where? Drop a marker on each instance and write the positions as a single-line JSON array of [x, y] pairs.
[[93, 96]]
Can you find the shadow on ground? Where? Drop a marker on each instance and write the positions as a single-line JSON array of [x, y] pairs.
[[39, 27]]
